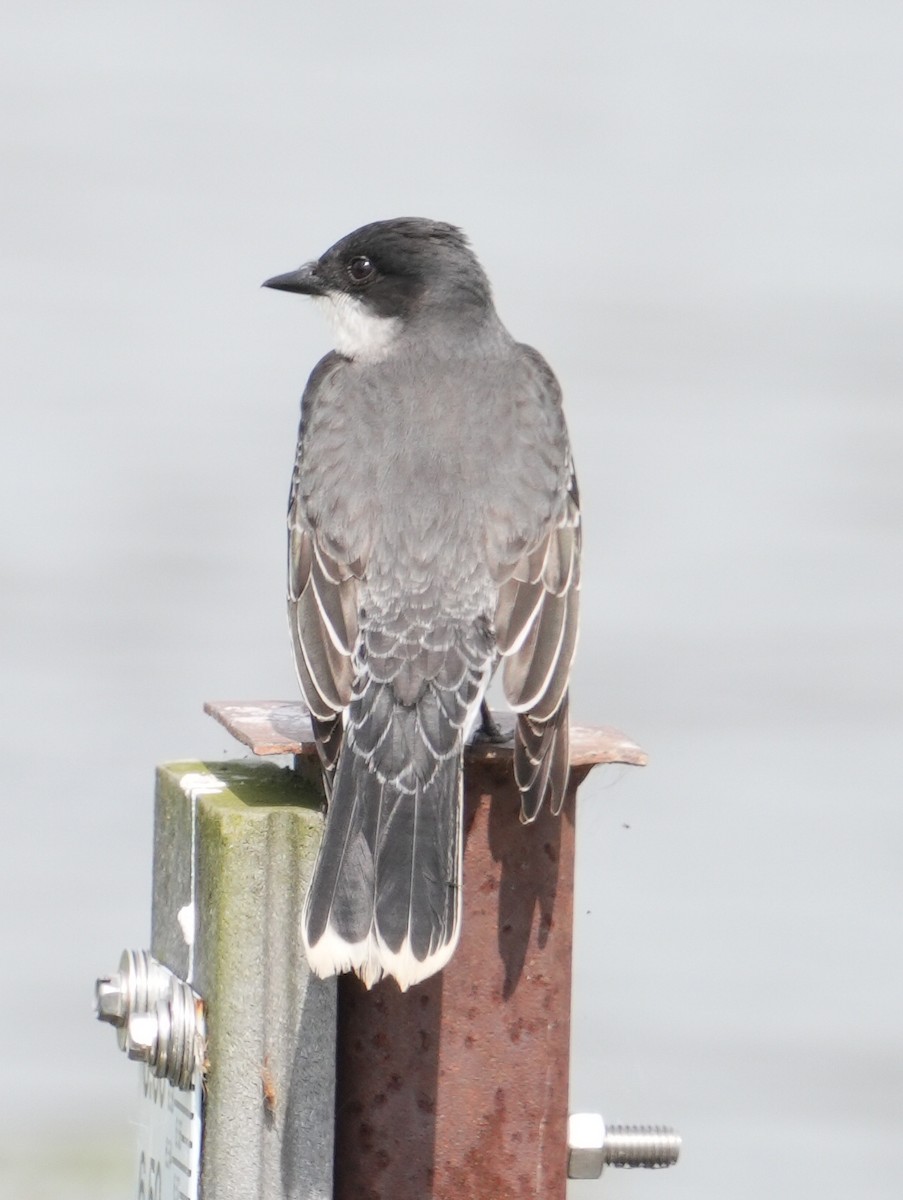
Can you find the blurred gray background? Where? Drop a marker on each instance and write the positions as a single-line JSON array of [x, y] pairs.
[[695, 211]]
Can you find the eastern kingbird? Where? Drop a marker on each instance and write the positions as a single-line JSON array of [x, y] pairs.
[[434, 529]]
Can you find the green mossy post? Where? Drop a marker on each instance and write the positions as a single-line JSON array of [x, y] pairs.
[[234, 848]]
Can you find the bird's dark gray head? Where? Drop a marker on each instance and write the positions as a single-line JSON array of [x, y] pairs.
[[382, 277]]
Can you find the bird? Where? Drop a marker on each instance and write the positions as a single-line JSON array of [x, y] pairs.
[[433, 533]]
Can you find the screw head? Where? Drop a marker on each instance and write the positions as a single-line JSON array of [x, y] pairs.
[[110, 1002]]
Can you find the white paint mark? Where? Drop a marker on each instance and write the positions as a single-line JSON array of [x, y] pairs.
[[195, 784], [186, 917]]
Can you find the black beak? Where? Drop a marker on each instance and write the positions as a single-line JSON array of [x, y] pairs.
[[305, 280]]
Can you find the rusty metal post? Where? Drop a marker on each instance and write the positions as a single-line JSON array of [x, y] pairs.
[[458, 1088]]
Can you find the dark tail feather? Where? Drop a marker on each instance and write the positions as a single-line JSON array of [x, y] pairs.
[[385, 896]]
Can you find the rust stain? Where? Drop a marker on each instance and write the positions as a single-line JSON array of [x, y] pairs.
[[268, 1086]]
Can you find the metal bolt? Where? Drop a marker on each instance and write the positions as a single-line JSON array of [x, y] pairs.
[[142, 1036], [109, 1000], [140, 982], [592, 1146], [159, 1020]]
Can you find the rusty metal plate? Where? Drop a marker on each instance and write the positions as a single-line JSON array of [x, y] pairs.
[[283, 727]]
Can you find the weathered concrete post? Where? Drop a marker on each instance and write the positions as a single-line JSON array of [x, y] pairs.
[[234, 847]]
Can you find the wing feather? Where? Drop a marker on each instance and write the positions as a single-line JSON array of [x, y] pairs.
[[519, 602], [323, 624], [299, 560], [527, 672], [322, 603], [337, 605], [536, 625], [312, 698]]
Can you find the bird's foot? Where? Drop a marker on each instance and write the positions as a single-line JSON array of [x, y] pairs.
[[489, 729]]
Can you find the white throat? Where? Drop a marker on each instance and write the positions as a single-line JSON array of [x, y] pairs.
[[359, 333]]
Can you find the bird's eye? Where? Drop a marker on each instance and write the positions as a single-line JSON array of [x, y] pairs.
[[360, 269]]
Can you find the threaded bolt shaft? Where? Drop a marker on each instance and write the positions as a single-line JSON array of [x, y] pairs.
[[650, 1146]]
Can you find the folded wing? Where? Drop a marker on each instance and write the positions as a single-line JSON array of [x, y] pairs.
[[536, 633], [322, 614]]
